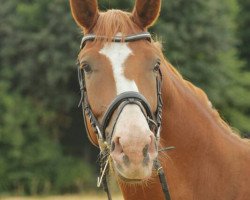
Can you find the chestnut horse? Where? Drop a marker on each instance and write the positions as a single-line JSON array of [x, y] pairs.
[[209, 162]]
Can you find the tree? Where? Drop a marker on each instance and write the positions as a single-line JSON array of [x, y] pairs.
[[243, 22], [37, 76], [243, 33]]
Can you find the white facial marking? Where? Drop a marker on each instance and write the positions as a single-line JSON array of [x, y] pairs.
[[130, 115], [118, 53]]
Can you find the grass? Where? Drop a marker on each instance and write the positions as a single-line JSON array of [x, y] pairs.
[[65, 197]]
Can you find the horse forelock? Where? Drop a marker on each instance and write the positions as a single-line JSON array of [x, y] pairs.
[[113, 22]]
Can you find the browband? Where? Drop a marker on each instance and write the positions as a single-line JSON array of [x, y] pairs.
[[129, 38]]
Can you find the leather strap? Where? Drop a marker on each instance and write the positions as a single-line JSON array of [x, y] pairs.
[[130, 38], [162, 178], [131, 98]]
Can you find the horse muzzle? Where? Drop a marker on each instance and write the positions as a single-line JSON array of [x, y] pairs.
[[133, 145]]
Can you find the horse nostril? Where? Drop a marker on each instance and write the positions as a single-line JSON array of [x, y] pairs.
[[112, 146], [116, 146], [146, 160], [145, 151], [126, 160]]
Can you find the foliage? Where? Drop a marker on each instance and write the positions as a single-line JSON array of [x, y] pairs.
[[243, 32], [31, 159], [37, 77]]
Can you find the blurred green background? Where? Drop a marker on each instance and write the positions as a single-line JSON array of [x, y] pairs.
[[43, 145]]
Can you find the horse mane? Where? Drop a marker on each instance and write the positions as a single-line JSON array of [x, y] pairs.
[[114, 22], [200, 95], [203, 99]]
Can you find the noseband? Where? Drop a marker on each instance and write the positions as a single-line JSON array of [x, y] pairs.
[[117, 105]]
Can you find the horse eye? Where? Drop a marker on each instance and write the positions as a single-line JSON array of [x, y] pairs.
[[87, 68], [157, 67]]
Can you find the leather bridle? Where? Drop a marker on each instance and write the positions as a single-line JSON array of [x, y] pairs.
[[117, 105]]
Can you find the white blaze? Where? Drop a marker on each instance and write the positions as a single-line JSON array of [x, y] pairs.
[[118, 53]]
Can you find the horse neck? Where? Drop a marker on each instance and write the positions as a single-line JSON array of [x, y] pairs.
[[204, 145]]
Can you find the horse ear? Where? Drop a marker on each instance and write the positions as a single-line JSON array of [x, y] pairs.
[[85, 12], [146, 12]]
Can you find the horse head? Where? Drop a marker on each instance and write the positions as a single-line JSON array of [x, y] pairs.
[[121, 80]]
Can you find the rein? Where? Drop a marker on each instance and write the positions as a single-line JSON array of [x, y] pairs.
[[104, 139]]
